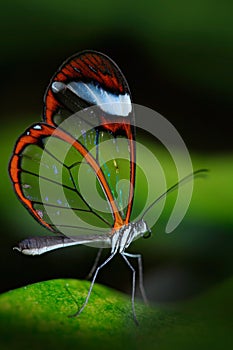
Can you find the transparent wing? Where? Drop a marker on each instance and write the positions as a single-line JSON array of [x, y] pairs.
[[89, 98], [45, 169]]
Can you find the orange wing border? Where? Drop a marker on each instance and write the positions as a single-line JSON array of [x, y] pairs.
[[32, 136]]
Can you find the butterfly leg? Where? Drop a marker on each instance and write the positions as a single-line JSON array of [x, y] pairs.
[[140, 272], [123, 254], [92, 284], [94, 266]]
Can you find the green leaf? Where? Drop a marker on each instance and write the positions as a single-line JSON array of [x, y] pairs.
[[36, 316]]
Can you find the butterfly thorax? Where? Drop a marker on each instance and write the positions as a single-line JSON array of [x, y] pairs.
[[123, 237]]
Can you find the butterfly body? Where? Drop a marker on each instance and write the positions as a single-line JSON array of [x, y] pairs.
[[117, 240], [75, 171]]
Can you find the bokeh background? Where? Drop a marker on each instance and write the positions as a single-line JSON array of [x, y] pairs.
[[177, 58]]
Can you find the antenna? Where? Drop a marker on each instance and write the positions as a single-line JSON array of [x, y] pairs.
[[195, 174]]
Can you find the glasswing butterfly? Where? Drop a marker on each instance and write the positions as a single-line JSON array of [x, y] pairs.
[[75, 171]]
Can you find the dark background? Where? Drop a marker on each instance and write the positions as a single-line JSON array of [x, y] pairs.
[[177, 58]]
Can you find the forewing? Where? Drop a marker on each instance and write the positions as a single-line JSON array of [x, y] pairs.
[[85, 79], [89, 98]]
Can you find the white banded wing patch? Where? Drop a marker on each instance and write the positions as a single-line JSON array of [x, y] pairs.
[[37, 127], [113, 104]]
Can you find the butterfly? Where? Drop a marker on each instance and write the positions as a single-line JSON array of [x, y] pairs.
[[75, 171]]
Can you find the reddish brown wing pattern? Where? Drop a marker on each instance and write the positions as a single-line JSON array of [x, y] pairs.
[[33, 136], [86, 66], [91, 66]]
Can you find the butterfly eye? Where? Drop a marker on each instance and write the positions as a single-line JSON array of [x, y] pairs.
[[147, 234], [143, 228]]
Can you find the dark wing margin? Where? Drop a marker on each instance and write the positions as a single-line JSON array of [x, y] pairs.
[[98, 69], [87, 66], [36, 135]]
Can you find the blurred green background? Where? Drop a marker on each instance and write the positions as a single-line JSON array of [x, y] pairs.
[[177, 58]]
